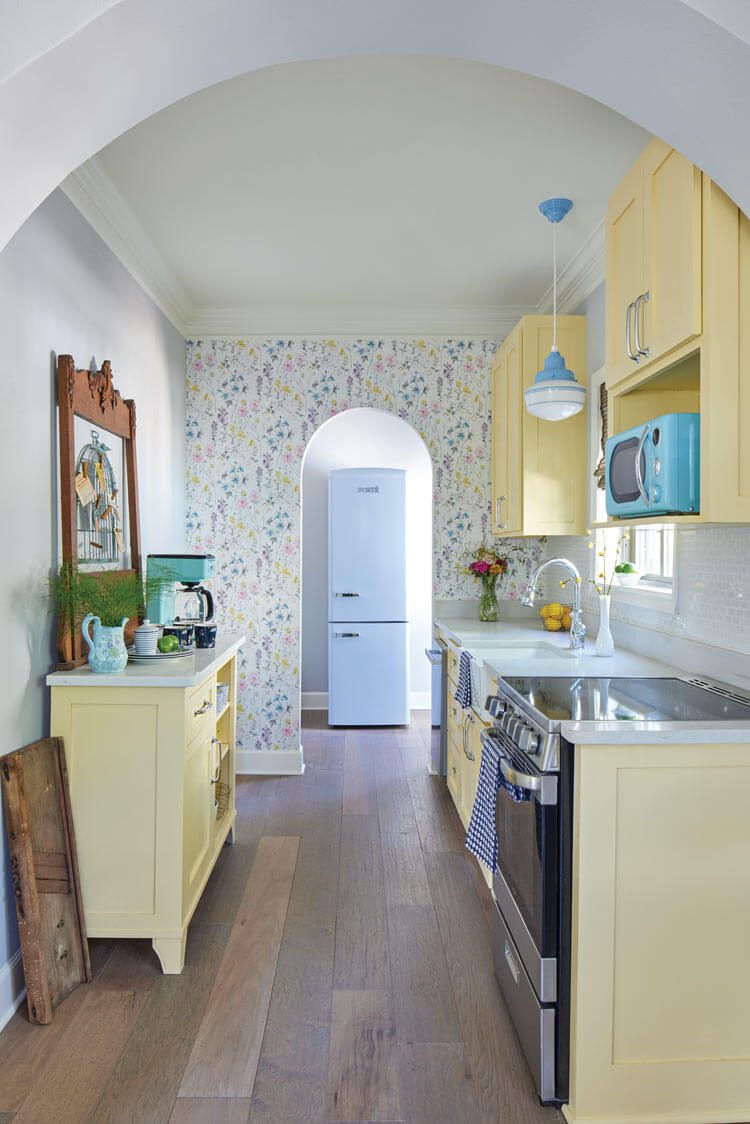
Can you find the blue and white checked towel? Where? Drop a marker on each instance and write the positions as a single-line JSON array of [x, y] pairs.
[[481, 838], [463, 690]]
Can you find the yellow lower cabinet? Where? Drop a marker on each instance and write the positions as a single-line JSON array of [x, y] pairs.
[[453, 771], [660, 977], [143, 763]]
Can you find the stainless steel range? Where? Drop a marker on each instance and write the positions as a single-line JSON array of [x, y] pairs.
[[534, 823]]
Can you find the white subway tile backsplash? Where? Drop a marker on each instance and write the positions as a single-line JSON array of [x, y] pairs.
[[712, 580]]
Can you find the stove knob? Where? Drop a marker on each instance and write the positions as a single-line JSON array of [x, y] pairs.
[[495, 706], [529, 740]]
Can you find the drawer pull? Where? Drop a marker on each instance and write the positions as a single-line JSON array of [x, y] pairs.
[[511, 962], [206, 706]]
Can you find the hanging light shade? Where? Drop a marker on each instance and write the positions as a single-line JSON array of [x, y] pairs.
[[555, 393]]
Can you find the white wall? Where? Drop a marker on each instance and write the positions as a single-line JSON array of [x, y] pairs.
[[61, 290], [373, 439]]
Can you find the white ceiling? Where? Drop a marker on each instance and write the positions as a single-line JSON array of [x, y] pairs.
[[380, 183]]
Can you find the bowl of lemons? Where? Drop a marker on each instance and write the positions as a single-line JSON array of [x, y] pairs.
[[555, 617]]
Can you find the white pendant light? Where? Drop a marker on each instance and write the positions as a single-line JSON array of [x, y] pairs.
[[555, 394]]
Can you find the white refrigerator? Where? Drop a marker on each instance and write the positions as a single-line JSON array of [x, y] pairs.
[[368, 630]]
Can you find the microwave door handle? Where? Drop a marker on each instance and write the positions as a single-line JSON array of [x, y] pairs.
[[638, 474], [631, 354]]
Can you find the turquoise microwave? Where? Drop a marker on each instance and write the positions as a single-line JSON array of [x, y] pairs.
[[654, 469]]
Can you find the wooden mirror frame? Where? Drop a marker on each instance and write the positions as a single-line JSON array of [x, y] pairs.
[[91, 395]]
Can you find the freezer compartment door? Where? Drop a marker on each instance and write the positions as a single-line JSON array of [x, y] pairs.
[[367, 545], [368, 675]]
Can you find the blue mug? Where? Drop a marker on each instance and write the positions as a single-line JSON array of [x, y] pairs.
[[183, 632], [205, 636]]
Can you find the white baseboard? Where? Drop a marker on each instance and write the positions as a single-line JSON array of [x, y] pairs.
[[12, 990], [315, 700], [318, 700], [420, 700], [269, 762]]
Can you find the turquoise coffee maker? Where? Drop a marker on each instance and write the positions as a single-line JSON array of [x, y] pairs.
[[175, 578]]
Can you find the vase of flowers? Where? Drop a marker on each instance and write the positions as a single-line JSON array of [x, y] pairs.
[[602, 583], [487, 565]]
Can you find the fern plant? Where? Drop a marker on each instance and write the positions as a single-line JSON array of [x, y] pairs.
[[109, 595]]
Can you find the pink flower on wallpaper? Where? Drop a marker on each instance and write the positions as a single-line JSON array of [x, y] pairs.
[[378, 366], [287, 548], [209, 450], [242, 502], [287, 640], [243, 410], [254, 679], [424, 412], [255, 497], [288, 731], [242, 594], [288, 366], [288, 458], [197, 456], [255, 405]]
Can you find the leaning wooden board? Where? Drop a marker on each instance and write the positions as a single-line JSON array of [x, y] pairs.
[[44, 869]]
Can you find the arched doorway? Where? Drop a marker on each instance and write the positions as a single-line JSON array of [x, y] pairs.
[[376, 439]]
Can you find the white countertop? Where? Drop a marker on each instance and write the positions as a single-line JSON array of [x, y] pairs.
[[506, 648], [186, 672]]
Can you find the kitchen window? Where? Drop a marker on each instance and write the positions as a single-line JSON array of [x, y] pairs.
[[651, 550]]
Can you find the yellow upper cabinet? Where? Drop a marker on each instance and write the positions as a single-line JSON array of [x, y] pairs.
[[653, 262], [538, 467]]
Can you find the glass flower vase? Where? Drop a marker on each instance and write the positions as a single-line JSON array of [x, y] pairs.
[[488, 606]]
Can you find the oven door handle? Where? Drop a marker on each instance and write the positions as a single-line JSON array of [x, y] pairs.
[[542, 788]]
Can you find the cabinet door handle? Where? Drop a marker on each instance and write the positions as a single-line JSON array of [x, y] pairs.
[[206, 705], [499, 500], [467, 733], [645, 297], [631, 354], [215, 762]]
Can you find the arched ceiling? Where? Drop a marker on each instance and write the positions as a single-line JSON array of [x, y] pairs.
[[339, 193], [676, 71]]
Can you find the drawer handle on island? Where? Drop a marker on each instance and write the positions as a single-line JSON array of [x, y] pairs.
[[205, 706]]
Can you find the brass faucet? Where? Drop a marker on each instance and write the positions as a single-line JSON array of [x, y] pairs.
[[577, 627]]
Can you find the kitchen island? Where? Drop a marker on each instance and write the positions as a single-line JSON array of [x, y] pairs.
[[151, 762], [659, 976]]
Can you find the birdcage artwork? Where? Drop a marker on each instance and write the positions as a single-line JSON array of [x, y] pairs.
[[97, 516]]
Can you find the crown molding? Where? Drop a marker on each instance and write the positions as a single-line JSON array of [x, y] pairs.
[[100, 202], [97, 198], [354, 320], [582, 274]]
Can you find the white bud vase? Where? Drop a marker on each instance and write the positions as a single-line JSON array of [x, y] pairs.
[[605, 645]]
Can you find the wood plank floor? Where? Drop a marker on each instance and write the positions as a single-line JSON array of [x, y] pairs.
[[338, 968]]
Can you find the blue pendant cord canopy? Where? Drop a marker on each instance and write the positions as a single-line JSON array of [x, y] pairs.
[[555, 393]]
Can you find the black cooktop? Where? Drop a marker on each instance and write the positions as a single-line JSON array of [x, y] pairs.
[[625, 700]]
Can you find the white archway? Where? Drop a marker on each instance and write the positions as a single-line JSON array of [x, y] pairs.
[[364, 437], [667, 66]]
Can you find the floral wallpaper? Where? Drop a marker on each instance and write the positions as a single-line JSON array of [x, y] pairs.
[[252, 406]]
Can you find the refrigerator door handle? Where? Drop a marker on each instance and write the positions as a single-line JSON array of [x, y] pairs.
[[346, 595], [343, 635]]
